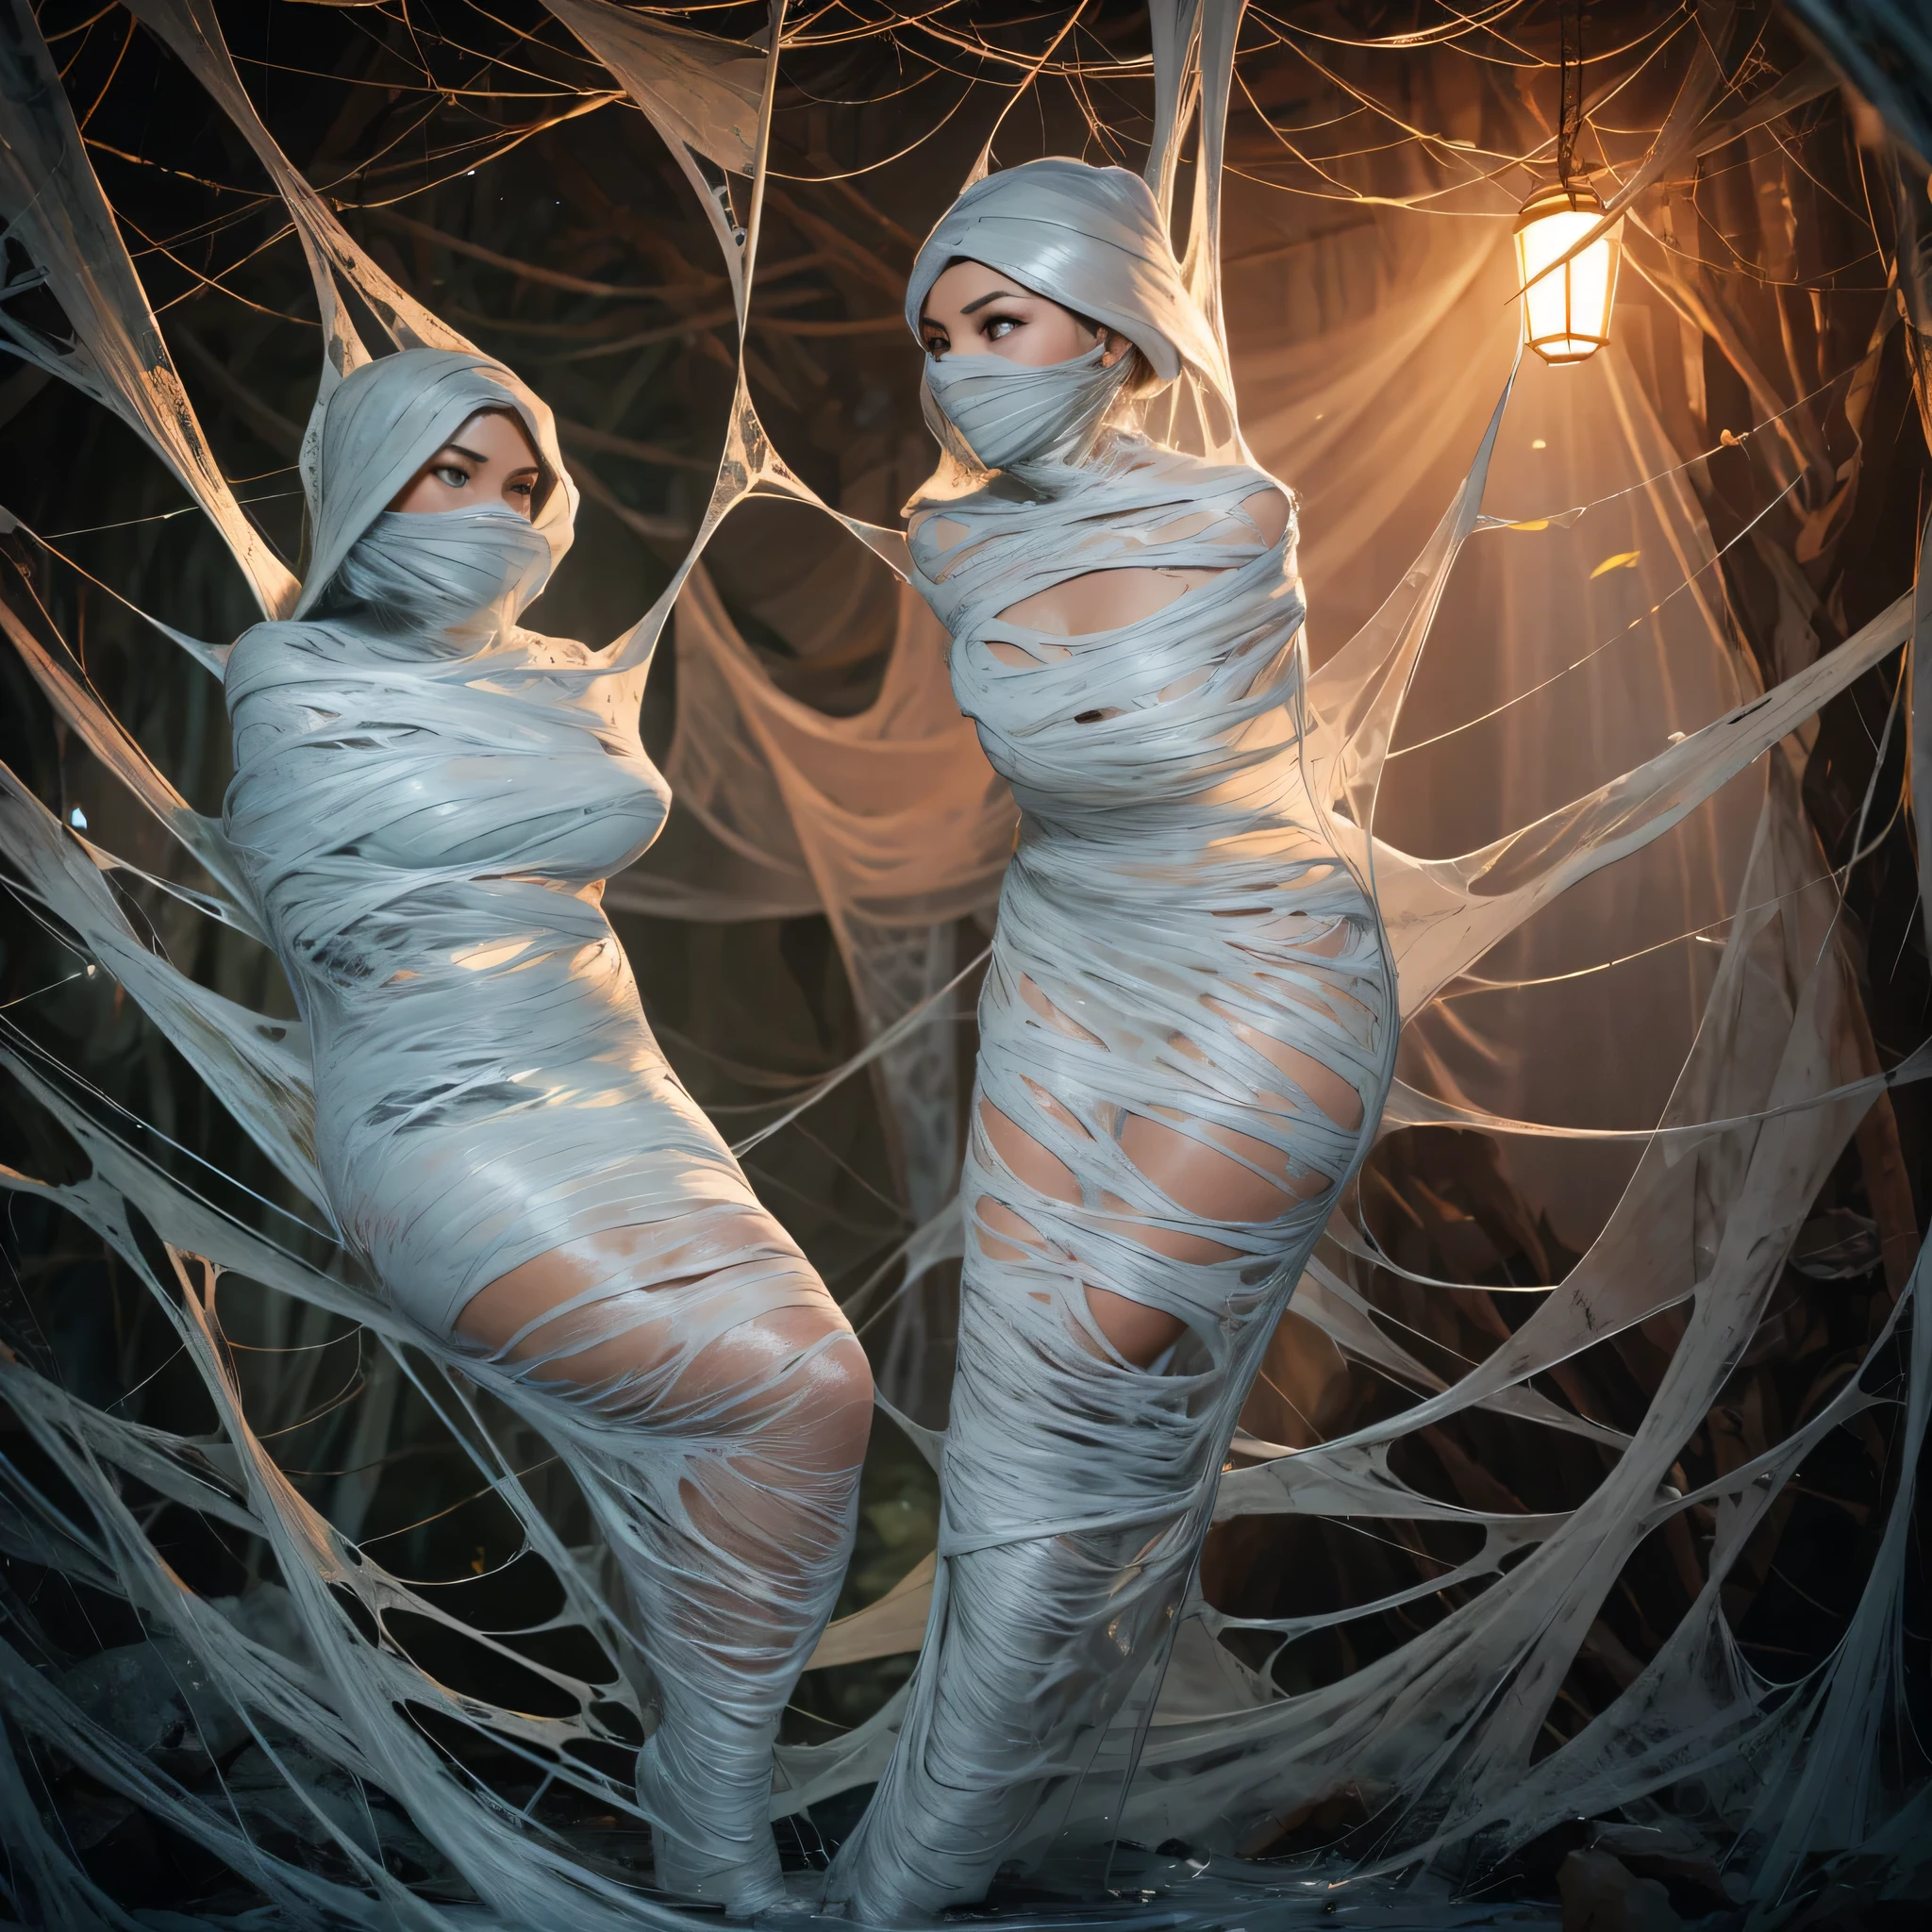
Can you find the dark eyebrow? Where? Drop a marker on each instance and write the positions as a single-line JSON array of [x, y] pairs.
[[997, 296], [479, 459]]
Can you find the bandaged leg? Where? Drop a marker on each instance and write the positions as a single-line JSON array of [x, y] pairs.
[[1077, 1490], [1128, 1256], [715, 1417]]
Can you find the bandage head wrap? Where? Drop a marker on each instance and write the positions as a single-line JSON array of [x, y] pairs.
[[1090, 239], [448, 571]]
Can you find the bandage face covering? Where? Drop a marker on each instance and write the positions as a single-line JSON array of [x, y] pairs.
[[426, 799], [1000, 414], [1187, 1034]]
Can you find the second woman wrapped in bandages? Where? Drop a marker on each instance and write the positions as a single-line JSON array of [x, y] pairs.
[[1188, 1026], [427, 800]]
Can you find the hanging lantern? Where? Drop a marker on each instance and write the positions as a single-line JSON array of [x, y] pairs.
[[1565, 307]]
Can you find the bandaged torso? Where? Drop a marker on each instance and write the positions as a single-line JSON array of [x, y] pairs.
[[1177, 937], [1165, 811], [424, 812]]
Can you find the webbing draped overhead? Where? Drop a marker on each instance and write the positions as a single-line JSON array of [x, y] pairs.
[[892, 824]]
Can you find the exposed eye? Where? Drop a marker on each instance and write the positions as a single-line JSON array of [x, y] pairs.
[[450, 473], [522, 486], [1000, 326], [938, 343]]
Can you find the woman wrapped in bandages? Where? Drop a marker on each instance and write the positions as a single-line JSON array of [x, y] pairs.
[[427, 800], [1187, 1027]]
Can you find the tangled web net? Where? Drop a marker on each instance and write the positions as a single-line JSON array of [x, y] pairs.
[[314, 1732]]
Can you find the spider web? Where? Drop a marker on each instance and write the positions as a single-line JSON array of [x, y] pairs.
[[887, 821]]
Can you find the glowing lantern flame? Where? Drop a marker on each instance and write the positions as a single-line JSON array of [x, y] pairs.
[[1566, 309]]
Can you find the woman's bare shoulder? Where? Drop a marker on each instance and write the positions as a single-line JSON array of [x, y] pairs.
[[1269, 508]]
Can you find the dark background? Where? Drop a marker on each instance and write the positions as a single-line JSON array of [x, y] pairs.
[[576, 251]]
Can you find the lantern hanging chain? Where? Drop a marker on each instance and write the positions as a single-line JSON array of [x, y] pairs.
[[1570, 83]]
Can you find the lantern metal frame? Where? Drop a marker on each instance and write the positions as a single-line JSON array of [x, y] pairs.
[[1570, 344], [1574, 198]]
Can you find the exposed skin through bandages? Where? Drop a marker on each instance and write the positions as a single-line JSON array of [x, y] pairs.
[[1187, 1030], [1796, 1781], [427, 798]]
